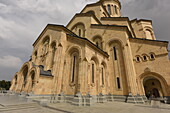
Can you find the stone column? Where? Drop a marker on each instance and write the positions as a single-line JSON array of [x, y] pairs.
[[58, 70], [130, 69]]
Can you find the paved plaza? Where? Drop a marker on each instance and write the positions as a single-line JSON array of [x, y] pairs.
[[15, 104]]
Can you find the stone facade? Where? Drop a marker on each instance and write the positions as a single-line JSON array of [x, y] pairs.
[[99, 56]]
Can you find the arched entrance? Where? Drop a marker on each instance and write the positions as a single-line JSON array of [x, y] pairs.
[[152, 87]]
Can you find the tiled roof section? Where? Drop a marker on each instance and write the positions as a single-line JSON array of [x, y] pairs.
[[149, 40], [90, 43], [45, 73]]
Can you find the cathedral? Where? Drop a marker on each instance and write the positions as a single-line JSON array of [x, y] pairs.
[[98, 56]]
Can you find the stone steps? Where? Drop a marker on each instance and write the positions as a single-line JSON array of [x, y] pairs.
[[119, 98]]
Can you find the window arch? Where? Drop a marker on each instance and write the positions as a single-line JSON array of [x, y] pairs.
[[32, 79], [79, 29], [103, 73], [16, 78], [35, 55], [45, 47], [74, 66], [118, 83], [145, 57], [53, 51], [115, 52], [98, 41], [149, 34], [152, 56], [94, 64], [109, 9], [91, 12], [138, 58], [115, 9], [93, 71], [25, 74], [118, 65]]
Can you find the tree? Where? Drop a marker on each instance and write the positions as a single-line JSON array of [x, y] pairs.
[[5, 84]]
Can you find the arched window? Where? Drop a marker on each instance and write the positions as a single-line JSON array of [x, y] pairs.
[[80, 32], [93, 72], [94, 63], [109, 9], [91, 12], [45, 45], [16, 80], [152, 56], [98, 41], [79, 29], [138, 59], [115, 9], [103, 75], [35, 55], [118, 83], [53, 48], [74, 66], [149, 34], [97, 44], [32, 79], [145, 58], [25, 73], [115, 53]]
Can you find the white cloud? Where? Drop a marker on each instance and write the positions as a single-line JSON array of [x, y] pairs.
[[2, 5], [10, 61]]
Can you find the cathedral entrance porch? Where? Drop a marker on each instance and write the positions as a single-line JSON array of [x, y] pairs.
[[152, 88]]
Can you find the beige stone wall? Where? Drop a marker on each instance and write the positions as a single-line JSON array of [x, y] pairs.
[[143, 29], [103, 59], [157, 67]]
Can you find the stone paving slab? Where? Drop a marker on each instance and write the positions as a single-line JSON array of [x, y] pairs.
[[15, 104], [113, 107]]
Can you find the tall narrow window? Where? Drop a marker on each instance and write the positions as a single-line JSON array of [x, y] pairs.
[[45, 47], [152, 56], [138, 59], [53, 55], [33, 77], [118, 83], [115, 53], [35, 55], [92, 73], [102, 76], [97, 44], [15, 79], [74, 68], [25, 72], [115, 8], [80, 32], [145, 58], [109, 9]]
